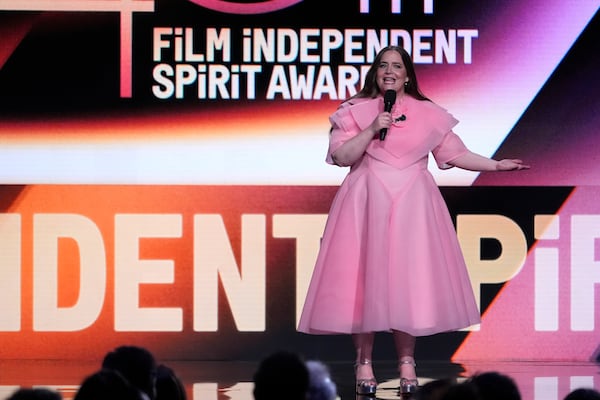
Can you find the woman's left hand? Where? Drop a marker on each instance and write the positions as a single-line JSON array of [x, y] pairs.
[[510, 165]]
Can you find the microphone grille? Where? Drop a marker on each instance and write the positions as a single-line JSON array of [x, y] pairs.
[[389, 96]]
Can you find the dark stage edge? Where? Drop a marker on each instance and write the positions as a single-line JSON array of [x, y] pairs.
[[222, 380]]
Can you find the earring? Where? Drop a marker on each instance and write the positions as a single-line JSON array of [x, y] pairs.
[[406, 84]]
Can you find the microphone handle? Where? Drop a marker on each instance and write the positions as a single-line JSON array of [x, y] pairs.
[[382, 133]]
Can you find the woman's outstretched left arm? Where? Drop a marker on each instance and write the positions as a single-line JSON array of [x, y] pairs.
[[475, 162]]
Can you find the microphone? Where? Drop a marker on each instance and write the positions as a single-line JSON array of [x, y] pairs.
[[389, 98]]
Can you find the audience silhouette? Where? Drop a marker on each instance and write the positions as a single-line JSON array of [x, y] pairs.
[[282, 374], [434, 390], [493, 385], [583, 394], [137, 365], [490, 385], [35, 394], [132, 373], [168, 385], [321, 386], [107, 384], [462, 391]]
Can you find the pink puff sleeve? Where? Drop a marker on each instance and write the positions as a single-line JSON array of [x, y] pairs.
[[450, 148], [343, 127]]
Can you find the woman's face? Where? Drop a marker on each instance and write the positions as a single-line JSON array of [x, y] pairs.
[[391, 73]]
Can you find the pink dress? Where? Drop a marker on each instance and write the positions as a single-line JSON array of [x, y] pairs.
[[389, 257]]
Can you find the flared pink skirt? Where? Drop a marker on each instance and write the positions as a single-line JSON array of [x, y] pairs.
[[389, 258]]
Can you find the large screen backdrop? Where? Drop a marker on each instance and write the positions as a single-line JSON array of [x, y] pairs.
[[164, 183]]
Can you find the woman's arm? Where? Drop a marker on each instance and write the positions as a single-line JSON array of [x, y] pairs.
[[354, 148], [475, 162]]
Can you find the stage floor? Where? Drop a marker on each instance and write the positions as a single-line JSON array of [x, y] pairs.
[[222, 380]]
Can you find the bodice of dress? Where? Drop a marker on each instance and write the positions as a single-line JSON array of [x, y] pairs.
[[426, 127]]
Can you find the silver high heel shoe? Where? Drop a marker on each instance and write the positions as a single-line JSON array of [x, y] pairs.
[[408, 386], [365, 387]]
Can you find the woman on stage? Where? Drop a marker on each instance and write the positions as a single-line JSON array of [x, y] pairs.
[[390, 260]]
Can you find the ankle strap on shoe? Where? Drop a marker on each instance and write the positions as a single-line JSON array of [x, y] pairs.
[[411, 362]]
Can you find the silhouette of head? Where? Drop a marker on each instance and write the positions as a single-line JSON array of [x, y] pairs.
[[136, 364], [282, 374]]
